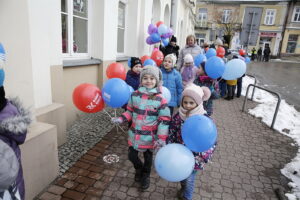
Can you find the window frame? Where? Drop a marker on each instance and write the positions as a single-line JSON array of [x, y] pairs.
[[226, 13], [294, 13], [201, 21], [268, 16], [125, 3], [70, 28]]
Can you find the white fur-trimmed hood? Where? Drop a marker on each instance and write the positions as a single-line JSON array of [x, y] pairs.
[[16, 124]]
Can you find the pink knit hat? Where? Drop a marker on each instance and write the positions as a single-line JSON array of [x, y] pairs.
[[199, 94]]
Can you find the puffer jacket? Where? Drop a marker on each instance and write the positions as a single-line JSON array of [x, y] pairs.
[[133, 79], [14, 121], [193, 50], [175, 137], [150, 116], [173, 81]]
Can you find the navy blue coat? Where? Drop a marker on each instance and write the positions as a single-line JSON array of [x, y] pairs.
[[133, 79], [173, 81]]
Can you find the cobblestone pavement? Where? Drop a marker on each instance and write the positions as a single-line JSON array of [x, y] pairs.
[[246, 165]]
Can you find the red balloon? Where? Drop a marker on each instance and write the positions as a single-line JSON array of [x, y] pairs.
[[116, 70], [158, 57], [242, 52], [88, 98], [159, 23], [220, 52], [145, 57]]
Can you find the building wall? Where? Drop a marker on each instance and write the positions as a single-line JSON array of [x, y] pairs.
[[285, 41]]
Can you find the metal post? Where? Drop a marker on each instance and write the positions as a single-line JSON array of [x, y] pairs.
[[250, 31]]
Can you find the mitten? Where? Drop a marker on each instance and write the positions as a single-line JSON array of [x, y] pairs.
[[117, 120], [159, 143]]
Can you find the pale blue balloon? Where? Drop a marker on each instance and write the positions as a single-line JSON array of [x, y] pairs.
[[174, 162], [214, 67], [162, 29], [210, 52], [115, 92], [166, 94], [131, 90], [149, 62], [199, 133], [234, 69], [165, 41], [247, 60]]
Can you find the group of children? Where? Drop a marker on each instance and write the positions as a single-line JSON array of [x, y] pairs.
[[154, 122]]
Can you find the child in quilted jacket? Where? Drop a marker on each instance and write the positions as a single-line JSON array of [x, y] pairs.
[[191, 104], [133, 75], [150, 115], [204, 80]]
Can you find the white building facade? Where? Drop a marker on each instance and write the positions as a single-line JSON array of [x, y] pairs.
[[54, 45]]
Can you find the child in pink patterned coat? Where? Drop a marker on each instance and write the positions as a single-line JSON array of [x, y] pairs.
[[191, 104]]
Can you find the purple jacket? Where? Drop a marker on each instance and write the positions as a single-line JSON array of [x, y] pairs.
[[14, 120]]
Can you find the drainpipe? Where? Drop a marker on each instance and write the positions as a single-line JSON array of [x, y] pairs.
[[173, 24], [284, 25]]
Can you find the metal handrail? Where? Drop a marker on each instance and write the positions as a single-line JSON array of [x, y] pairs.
[[255, 81], [277, 106]]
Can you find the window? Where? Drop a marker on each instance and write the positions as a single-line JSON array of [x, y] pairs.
[[202, 16], [292, 43], [226, 16], [270, 17], [121, 28], [74, 22], [296, 15]]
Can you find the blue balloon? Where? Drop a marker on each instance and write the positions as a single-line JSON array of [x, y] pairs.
[[166, 94], [2, 77], [200, 58], [174, 162], [115, 92], [155, 37], [247, 60], [131, 90], [149, 62], [214, 67], [199, 133], [165, 41], [129, 62], [210, 52], [162, 29], [234, 69]]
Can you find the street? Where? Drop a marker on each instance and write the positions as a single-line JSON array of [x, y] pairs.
[[279, 77]]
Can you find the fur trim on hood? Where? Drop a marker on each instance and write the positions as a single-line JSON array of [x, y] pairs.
[[15, 123]]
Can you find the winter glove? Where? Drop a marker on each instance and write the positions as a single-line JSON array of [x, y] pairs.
[[117, 120], [158, 144]]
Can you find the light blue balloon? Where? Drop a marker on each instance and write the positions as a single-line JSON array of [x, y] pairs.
[[2, 77], [155, 37], [129, 62], [199, 133], [174, 162], [149, 62], [115, 92], [131, 90], [234, 69], [210, 53], [166, 94], [247, 60], [200, 58], [162, 29], [214, 67], [165, 41]]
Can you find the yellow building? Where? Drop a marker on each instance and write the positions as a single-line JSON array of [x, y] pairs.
[[291, 37]]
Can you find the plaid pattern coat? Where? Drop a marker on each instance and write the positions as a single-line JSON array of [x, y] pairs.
[[150, 116]]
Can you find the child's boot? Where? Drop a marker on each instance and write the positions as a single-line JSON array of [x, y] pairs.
[[145, 181], [138, 175]]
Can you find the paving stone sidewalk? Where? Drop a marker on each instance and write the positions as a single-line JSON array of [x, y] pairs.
[[246, 165]]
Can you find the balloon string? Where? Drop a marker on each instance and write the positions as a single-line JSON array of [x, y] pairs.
[[117, 125]]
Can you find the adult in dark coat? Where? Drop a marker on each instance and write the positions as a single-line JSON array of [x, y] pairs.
[[267, 53], [171, 48], [259, 54]]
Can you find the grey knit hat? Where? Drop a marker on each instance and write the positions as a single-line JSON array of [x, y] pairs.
[[153, 70], [9, 166]]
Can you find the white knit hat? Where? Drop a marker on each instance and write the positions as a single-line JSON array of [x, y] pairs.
[[188, 58], [153, 70], [199, 94], [172, 57]]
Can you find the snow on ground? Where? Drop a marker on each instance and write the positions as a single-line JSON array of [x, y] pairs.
[[287, 123]]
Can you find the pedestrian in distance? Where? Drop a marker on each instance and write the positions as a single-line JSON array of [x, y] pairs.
[[231, 86], [253, 54], [259, 54], [267, 53], [189, 71], [191, 48], [150, 115], [191, 104], [172, 80]]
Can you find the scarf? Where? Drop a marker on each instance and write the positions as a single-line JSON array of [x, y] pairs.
[[199, 110], [187, 73]]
